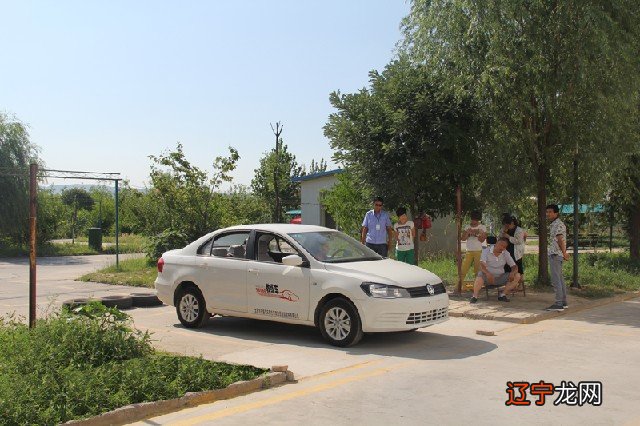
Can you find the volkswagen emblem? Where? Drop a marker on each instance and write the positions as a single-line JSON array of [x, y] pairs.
[[430, 289]]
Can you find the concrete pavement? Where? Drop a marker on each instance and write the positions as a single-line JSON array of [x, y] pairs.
[[446, 374]]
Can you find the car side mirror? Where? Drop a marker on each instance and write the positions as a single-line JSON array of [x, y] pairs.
[[292, 260]]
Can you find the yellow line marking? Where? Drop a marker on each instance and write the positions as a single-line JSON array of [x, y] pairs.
[[343, 369], [288, 396]]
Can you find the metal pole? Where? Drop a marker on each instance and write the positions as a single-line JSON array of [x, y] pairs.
[[117, 229], [576, 218], [33, 203], [459, 235]]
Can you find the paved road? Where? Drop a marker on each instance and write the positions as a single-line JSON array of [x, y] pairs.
[[446, 374]]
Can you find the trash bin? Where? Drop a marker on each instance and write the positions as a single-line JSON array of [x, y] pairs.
[[95, 238]]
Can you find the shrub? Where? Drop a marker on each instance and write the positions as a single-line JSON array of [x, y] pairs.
[[168, 239]]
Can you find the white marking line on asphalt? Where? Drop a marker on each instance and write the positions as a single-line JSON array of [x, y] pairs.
[[291, 395]]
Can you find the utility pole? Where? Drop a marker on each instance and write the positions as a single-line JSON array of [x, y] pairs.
[[277, 131], [33, 209]]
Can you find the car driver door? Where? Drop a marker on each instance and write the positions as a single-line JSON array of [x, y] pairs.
[[276, 290]]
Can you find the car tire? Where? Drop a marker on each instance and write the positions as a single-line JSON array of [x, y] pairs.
[[117, 301], [191, 308], [145, 299], [340, 323], [71, 304]]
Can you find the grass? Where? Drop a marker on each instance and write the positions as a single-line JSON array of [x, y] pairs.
[[134, 272], [127, 244], [601, 274], [77, 365]]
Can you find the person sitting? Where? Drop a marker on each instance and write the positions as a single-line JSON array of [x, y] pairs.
[[492, 263]]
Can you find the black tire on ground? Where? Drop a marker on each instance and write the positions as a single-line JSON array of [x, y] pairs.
[[340, 322], [191, 307], [145, 299], [77, 302], [117, 301]]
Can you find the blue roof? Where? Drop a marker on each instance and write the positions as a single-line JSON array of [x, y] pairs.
[[582, 208], [316, 175]]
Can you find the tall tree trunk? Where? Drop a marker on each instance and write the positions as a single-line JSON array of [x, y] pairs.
[[634, 210], [634, 230], [541, 189], [416, 239]]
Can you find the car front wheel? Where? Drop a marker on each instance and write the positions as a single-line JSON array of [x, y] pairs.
[[340, 323], [191, 308]]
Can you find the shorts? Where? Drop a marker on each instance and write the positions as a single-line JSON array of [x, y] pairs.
[[500, 280], [519, 264]]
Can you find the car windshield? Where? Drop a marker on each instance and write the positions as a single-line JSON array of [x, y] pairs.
[[334, 247]]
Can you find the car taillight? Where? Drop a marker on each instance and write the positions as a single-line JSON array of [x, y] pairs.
[[160, 264]]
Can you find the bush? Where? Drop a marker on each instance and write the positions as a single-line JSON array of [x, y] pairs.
[[88, 361], [166, 240]]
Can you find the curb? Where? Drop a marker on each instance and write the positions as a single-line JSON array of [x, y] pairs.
[[136, 412], [546, 315]]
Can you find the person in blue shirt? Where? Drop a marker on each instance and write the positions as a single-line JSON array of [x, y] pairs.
[[377, 231]]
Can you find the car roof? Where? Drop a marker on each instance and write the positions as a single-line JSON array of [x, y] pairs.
[[284, 228]]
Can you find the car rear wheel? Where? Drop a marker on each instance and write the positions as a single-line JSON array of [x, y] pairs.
[[340, 323], [191, 308]]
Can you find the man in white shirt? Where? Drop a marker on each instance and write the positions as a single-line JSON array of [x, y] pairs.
[[492, 263]]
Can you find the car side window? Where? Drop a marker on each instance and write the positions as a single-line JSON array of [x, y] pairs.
[[205, 249], [233, 244], [272, 248]]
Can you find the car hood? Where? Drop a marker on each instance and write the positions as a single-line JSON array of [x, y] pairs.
[[386, 271]]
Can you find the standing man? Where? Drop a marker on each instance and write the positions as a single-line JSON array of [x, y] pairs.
[[377, 232], [557, 254]]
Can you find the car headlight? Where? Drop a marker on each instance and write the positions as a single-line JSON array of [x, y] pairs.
[[384, 291]]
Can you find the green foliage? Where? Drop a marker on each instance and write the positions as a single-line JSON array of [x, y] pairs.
[[553, 80], [282, 167], [168, 239], [132, 272], [184, 193], [347, 202], [241, 207], [409, 142], [16, 153], [83, 363], [78, 198]]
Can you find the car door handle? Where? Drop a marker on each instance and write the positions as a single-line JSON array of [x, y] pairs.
[[253, 271]]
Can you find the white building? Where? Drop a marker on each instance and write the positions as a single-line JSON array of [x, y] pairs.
[[441, 237]]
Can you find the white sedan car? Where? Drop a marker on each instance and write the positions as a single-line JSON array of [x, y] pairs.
[[299, 274]]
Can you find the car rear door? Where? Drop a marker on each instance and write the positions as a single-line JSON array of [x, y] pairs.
[[222, 272], [275, 290]]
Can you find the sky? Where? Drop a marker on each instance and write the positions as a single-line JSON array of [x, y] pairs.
[[103, 85]]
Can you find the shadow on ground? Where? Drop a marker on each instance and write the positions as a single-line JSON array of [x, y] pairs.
[[422, 344], [625, 313]]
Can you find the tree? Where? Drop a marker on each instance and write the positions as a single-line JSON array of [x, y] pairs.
[[556, 80], [317, 166], [16, 153], [412, 145], [184, 194], [347, 202], [77, 199], [241, 207], [285, 167]]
